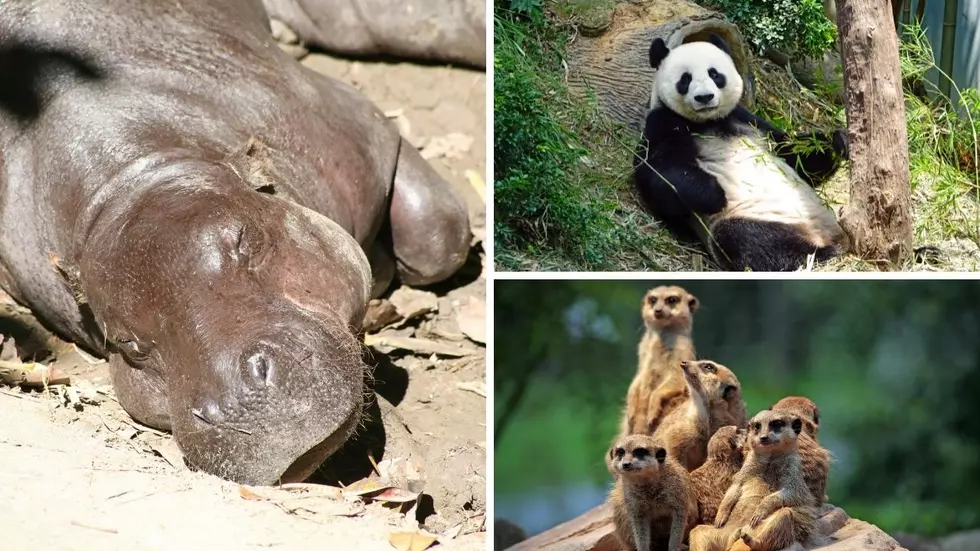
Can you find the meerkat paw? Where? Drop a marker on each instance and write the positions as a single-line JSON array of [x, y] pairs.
[[756, 520]]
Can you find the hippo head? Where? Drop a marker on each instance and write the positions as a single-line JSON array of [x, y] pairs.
[[230, 316]]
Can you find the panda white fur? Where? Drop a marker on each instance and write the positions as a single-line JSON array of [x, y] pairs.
[[707, 167]]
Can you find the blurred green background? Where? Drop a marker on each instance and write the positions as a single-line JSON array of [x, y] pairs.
[[893, 365]]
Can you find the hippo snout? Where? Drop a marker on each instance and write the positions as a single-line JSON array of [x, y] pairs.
[[276, 409]]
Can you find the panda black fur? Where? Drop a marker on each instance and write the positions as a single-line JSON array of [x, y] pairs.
[[734, 180]]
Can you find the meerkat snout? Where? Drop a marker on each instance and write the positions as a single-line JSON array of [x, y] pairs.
[[729, 391]]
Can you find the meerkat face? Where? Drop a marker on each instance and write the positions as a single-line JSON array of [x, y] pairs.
[[803, 407], [774, 431], [716, 381], [727, 443], [669, 307], [636, 456]]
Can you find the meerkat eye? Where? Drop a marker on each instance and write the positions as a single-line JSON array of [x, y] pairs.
[[777, 425], [641, 453], [620, 452], [652, 299], [673, 300], [708, 368], [756, 426]]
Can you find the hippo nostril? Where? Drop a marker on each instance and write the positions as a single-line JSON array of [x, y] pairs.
[[260, 366]]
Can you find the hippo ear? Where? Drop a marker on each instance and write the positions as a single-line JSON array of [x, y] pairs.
[[720, 43], [797, 425], [693, 303], [658, 52], [660, 454]]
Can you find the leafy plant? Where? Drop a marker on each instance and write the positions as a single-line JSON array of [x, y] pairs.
[[792, 26]]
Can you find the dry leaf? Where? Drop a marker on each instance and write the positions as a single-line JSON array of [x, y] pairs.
[[475, 388], [422, 346], [453, 532], [472, 318], [475, 180], [8, 352], [249, 494], [395, 495], [411, 303], [411, 541], [380, 313], [367, 486], [166, 447]]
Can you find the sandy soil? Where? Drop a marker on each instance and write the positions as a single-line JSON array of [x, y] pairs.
[[76, 473]]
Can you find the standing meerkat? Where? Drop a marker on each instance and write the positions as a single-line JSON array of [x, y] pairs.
[[684, 431], [658, 387], [726, 406], [815, 458], [711, 480], [652, 500], [768, 505]]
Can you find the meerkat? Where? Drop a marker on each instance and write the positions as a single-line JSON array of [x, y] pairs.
[[658, 387], [711, 480], [815, 458], [652, 500], [768, 506], [684, 431], [726, 406]]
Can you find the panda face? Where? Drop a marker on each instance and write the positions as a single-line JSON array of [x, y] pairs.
[[698, 81]]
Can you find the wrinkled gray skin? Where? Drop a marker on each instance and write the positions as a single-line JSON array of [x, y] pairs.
[[153, 160], [440, 30]]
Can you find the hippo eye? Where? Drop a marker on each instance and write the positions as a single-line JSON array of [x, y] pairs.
[[133, 349], [641, 453]]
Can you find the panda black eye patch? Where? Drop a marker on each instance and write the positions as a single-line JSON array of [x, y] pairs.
[[684, 84], [717, 77]]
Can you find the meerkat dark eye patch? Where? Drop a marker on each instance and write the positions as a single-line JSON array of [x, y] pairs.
[[641, 453], [673, 300], [709, 368], [620, 452], [797, 425], [661, 455], [652, 300], [777, 425], [756, 426], [684, 84]]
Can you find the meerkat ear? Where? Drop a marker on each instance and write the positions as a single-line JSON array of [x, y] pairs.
[[684, 364], [660, 454], [692, 304], [816, 416], [797, 425]]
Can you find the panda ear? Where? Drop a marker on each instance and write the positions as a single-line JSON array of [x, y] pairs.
[[720, 42], [658, 52]]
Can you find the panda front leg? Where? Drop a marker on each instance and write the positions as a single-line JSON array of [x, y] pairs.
[[816, 161]]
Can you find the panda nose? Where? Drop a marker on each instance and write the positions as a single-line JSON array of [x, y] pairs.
[[704, 98]]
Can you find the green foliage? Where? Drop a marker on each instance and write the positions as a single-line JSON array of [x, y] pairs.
[[526, 7], [552, 193], [793, 26]]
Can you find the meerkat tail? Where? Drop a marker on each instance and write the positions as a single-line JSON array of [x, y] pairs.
[[832, 521]]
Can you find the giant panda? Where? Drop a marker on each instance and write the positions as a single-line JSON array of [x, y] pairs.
[[709, 168]]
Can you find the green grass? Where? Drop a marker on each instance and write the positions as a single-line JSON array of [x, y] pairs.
[[561, 173], [562, 182]]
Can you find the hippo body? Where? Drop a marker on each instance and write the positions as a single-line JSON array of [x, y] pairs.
[[439, 30], [180, 196]]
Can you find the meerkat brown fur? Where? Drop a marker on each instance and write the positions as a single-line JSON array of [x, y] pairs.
[[768, 505], [815, 458], [684, 431], [725, 458], [658, 387], [652, 500], [726, 406]]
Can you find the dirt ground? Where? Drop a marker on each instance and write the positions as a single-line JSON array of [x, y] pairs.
[[76, 473]]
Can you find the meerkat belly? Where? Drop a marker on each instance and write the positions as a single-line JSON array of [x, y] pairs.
[[759, 185], [749, 500]]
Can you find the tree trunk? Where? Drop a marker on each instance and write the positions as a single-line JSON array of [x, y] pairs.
[[878, 217]]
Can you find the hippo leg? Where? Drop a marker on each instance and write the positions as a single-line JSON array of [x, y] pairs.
[[429, 225], [382, 268]]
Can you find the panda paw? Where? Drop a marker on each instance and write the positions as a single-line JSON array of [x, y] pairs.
[[841, 144]]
